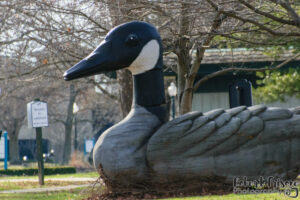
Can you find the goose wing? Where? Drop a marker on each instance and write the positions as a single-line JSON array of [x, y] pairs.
[[241, 141]]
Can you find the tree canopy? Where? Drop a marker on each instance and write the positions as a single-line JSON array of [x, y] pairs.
[[277, 85]]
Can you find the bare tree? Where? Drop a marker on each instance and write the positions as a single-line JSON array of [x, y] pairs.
[[12, 118], [49, 37], [15, 94]]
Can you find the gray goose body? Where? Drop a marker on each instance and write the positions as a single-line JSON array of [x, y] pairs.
[[218, 145], [121, 150]]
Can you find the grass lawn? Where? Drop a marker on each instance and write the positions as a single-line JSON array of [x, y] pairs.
[[28, 165], [273, 196], [81, 193], [75, 194], [77, 175], [5, 184]]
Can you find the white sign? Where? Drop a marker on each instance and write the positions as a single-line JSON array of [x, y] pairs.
[[37, 114], [2, 148], [89, 144]]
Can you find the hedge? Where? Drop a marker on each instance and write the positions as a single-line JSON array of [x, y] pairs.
[[34, 171]]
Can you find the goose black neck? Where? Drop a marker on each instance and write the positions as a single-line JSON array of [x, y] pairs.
[[149, 92]]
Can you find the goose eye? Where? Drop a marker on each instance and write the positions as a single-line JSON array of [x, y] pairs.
[[132, 40]]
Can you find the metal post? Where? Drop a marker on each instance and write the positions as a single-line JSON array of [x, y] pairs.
[[94, 141], [84, 150], [173, 107], [39, 155], [5, 150]]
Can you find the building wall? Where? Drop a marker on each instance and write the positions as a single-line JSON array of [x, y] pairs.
[[208, 101], [291, 102]]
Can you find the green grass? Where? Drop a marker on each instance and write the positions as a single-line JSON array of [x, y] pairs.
[[273, 196], [6, 185], [81, 193], [28, 165], [75, 194], [77, 175]]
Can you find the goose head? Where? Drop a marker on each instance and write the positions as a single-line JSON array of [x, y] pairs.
[[134, 45]]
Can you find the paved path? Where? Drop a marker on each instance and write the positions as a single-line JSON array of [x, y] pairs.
[[49, 189]]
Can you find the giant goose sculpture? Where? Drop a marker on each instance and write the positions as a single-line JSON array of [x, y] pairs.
[[211, 147]]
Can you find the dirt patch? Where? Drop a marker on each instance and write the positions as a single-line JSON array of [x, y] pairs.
[[161, 188], [134, 193]]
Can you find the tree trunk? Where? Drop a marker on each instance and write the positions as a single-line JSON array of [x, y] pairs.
[[14, 149], [13, 129], [67, 146], [125, 90], [182, 68], [183, 60], [187, 98], [69, 125], [120, 13]]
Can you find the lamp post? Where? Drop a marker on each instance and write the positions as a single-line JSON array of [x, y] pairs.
[[75, 110], [172, 90], [52, 152], [25, 158]]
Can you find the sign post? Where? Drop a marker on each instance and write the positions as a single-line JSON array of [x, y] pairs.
[[5, 150], [88, 145], [37, 114], [39, 155]]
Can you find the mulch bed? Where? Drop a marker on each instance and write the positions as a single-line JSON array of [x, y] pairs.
[[129, 195], [150, 190]]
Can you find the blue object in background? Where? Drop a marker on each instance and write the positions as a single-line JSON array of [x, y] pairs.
[[88, 149], [84, 148], [5, 150]]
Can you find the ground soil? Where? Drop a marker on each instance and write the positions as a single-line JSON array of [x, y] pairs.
[[135, 195]]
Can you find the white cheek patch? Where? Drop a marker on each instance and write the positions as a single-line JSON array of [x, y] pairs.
[[147, 58]]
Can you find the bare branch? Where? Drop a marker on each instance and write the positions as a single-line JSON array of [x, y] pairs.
[[33, 70], [287, 6], [254, 22], [102, 89], [268, 15]]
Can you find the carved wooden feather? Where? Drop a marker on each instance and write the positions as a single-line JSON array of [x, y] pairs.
[[255, 141]]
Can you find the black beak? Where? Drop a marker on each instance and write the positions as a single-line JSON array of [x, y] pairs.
[[101, 60]]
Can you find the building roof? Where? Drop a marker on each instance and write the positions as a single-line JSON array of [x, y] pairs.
[[214, 56], [240, 55]]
